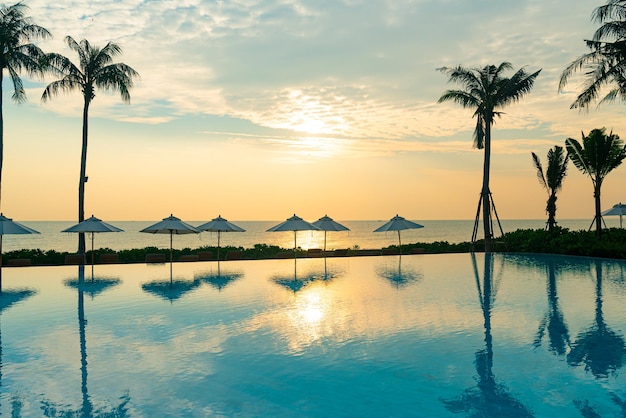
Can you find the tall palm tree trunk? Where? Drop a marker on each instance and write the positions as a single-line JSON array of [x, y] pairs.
[[551, 209], [596, 195], [83, 177], [485, 190]]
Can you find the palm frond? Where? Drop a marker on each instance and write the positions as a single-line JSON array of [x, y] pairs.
[[539, 168], [486, 89], [557, 168], [577, 155], [613, 9], [95, 69]]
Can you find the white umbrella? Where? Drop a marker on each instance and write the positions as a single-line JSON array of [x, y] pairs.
[[325, 223], [92, 225], [295, 224], [398, 223], [171, 225], [8, 226], [220, 225], [618, 209]]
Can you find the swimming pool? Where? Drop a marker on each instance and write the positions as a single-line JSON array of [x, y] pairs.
[[424, 335]]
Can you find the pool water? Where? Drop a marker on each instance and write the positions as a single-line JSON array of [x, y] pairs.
[[422, 335]]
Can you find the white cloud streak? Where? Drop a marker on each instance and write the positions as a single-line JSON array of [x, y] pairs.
[[362, 71]]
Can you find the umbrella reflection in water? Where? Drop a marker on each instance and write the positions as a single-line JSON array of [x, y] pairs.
[[171, 290], [296, 283], [220, 279], [399, 277]]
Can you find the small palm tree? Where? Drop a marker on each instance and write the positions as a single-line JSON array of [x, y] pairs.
[[598, 155], [95, 70], [17, 54], [552, 180], [486, 90], [605, 65]]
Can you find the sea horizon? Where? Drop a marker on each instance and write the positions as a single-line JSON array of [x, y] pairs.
[[361, 234]]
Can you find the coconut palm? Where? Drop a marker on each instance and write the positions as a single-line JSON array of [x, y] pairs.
[[486, 90], [605, 65], [17, 54], [598, 155], [552, 179], [95, 70]]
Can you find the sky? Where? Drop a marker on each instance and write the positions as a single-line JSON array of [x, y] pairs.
[[259, 109]]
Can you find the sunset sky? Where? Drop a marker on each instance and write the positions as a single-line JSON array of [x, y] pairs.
[[258, 109]]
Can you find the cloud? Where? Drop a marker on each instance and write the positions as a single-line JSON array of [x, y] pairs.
[[356, 70]]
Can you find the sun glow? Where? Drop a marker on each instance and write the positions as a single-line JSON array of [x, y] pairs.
[[312, 114]]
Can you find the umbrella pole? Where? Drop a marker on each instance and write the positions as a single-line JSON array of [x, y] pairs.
[[295, 254], [171, 256], [218, 244], [399, 243], [92, 255], [324, 242]]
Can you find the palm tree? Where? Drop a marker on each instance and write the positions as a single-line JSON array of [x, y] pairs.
[[598, 155], [96, 70], [17, 54], [605, 64], [552, 181], [486, 90]]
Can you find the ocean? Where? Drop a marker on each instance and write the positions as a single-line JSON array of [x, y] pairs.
[[360, 235]]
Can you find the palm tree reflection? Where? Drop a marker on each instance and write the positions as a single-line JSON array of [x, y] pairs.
[[51, 409], [599, 348], [488, 398], [553, 321]]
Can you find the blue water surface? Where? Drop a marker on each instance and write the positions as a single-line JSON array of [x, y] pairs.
[[421, 335]]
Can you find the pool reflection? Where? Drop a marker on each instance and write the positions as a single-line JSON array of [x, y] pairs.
[[9, 298], [398, 276], [600, 348], [346, 342], [171, 289], [299, 281], [488, 398], [553, 321], [86, 409], [219, 279]]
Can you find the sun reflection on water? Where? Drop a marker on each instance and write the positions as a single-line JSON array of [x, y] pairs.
[[310, 308]]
